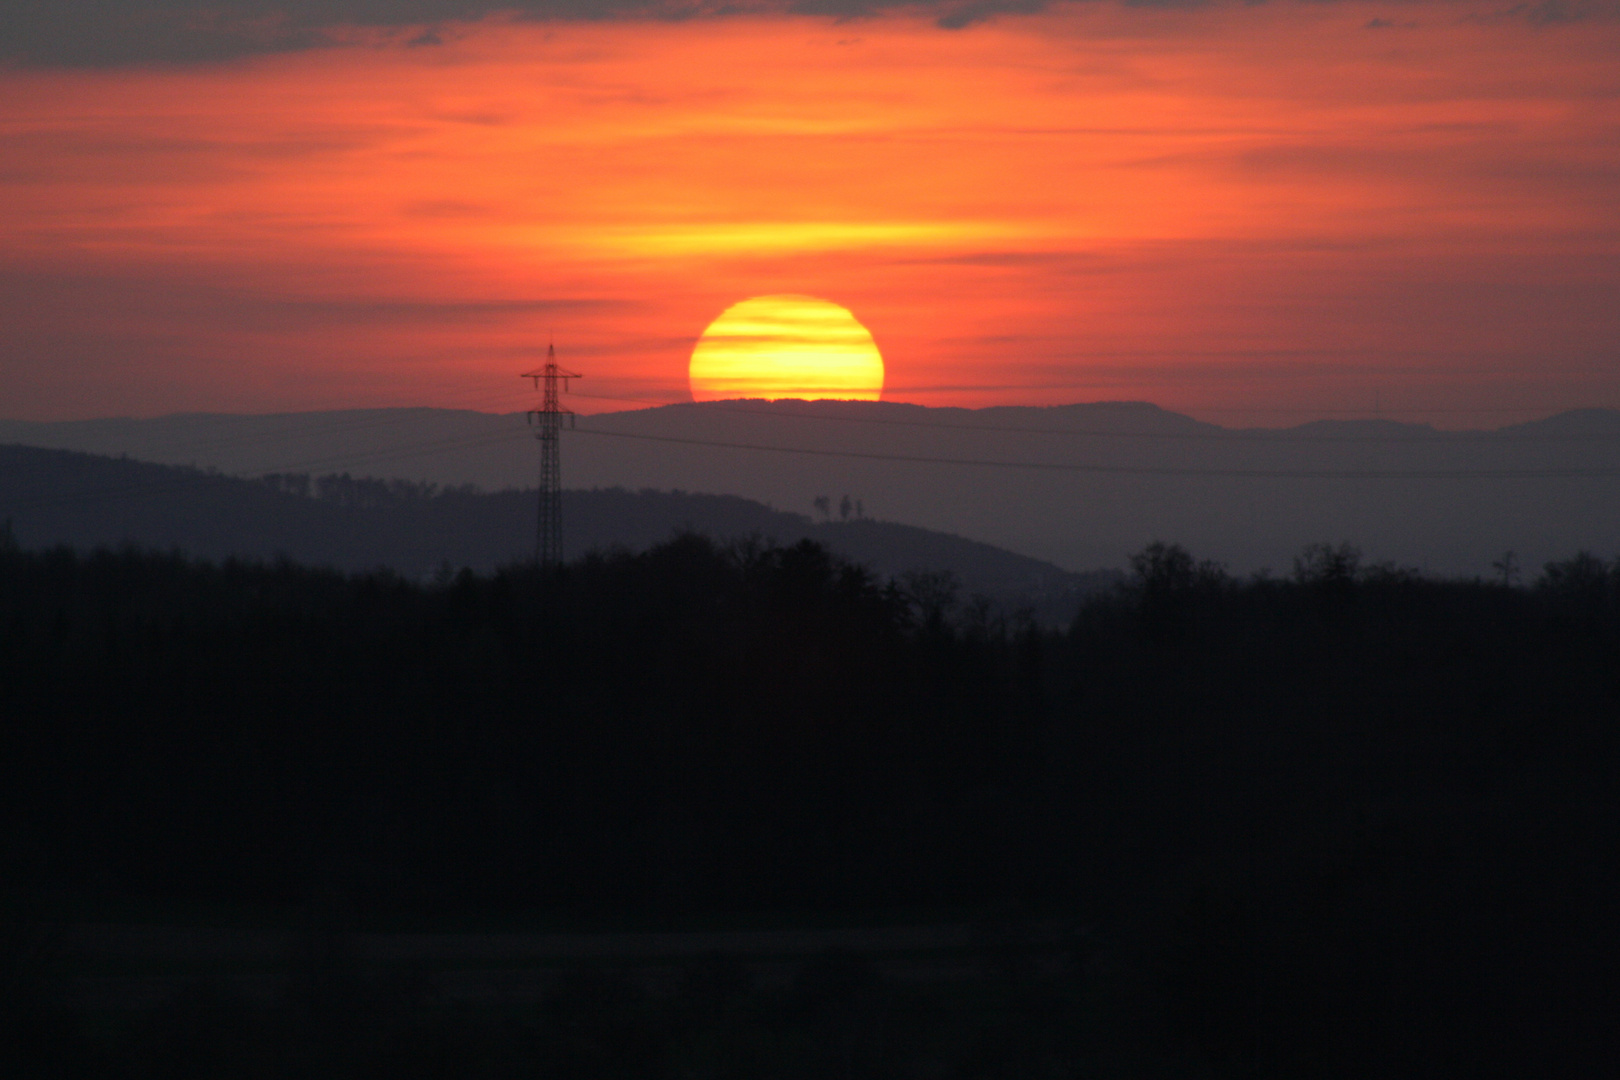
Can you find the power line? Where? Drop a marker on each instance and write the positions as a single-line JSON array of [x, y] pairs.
[[1279, 436], [1144, 470], [417, 449], [322, 425], [163, 487]]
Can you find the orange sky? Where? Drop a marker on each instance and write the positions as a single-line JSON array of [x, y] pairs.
[[1244, 212]]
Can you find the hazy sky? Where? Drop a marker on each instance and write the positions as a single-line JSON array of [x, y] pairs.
[[1277, 207]]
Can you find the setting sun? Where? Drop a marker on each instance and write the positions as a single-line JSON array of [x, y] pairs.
[[786, 346]]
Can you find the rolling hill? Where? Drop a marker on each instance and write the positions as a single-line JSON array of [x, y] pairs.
[[1078, 486], [85, 500]]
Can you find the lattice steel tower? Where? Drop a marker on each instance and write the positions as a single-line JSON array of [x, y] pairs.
[[548, 421]]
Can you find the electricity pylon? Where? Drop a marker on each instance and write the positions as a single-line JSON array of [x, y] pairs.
[[547, 421]]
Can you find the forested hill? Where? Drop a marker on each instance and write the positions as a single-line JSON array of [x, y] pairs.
[[86, 500], [1352, 823]]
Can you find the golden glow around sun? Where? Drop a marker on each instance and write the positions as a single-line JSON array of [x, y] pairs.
[[786, 346]]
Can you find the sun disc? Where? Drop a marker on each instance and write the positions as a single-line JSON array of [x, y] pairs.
[[786, 346]]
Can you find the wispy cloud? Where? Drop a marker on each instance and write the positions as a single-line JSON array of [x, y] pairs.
[[97, 33]]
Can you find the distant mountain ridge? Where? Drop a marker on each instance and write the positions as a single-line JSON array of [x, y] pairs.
[[1078, 485], [56, 496]]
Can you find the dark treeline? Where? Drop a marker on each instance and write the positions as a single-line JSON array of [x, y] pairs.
[[365, 491], [1350, 822]]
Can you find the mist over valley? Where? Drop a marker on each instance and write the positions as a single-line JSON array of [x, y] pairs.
[[1078, 486]]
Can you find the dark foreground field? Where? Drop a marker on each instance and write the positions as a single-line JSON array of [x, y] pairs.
[[266, 821]]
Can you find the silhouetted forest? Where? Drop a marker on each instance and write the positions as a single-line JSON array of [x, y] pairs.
[[1347, 822]]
